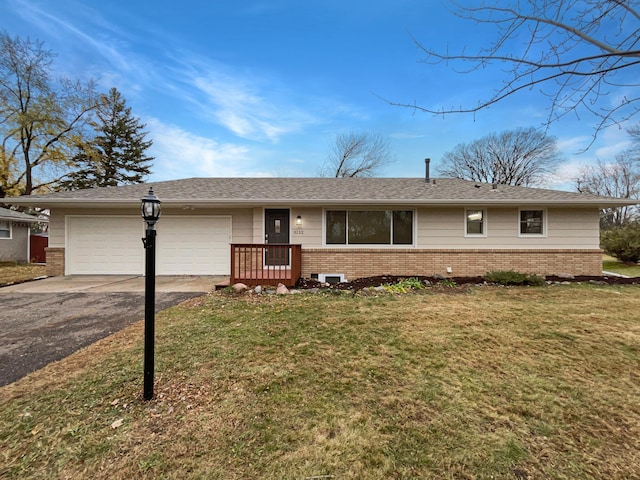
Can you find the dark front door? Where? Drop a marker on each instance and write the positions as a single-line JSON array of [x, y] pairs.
[[276, 231]]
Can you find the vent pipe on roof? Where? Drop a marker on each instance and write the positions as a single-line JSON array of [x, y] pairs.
[[427, 161]]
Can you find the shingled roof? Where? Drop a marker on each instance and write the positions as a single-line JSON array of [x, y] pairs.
[[6, 214], [318, 191]]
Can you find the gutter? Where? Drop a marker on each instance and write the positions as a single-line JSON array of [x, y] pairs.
[[125, 203]]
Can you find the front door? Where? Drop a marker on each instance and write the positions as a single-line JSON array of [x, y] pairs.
[[276, 231]]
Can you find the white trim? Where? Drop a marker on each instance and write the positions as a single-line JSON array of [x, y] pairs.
[[365, 208], [322, 277], [485, 222], [10, 224], [544, 233]]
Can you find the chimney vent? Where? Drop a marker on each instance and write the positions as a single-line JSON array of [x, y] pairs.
[[427, 161]]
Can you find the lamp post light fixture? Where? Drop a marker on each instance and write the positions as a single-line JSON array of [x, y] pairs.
[[150, 211]]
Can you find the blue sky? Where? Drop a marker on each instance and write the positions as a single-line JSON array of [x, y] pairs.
[[261, 88]]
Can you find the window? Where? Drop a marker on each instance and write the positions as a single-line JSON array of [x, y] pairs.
[[475, 222], [532, 222], [369, 227], [5, 229]]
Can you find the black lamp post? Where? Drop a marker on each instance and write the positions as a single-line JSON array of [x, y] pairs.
[[150, 211]]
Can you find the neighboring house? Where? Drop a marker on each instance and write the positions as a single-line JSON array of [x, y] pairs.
[[340, 228], [15, 235]]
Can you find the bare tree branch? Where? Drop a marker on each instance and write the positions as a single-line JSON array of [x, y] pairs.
[[357, 155], [576, 52], [620, 179], [513, 157]]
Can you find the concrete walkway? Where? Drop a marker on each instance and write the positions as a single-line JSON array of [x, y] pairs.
[[115, 283]]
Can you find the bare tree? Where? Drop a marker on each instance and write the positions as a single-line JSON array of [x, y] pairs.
[[577, 53], [41, 121], [357, 155], [619, 179], [634, 151], [513, 157]]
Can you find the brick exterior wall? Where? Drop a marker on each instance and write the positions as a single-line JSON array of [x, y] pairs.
[[55, 261], [357, 263]]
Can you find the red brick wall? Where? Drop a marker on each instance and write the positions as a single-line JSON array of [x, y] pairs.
[[356, 263]]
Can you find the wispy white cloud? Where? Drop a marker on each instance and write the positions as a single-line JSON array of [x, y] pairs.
[[82, 33], [180, 154], [613, 141], [243, 107], [45, 20]]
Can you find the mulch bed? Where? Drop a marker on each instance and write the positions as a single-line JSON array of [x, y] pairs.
[[368, 282]]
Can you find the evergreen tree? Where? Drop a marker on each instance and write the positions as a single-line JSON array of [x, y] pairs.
[[116, 155]]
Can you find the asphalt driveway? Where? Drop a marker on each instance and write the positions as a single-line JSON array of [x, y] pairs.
[[46, 320]]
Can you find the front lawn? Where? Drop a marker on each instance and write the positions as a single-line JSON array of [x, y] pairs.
[[610, 264], [10, 272], [457, 383]]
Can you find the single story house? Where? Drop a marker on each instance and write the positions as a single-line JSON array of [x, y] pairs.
[[329, 228], [15, 235]]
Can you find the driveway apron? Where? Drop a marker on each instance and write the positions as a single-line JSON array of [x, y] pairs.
[[43, 323]]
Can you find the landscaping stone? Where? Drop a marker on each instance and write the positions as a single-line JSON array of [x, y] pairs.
[[257, 290], [566, 276], [281, 290], [239, 287]]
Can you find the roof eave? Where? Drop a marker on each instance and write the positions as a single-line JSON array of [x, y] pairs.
[[127, 203]]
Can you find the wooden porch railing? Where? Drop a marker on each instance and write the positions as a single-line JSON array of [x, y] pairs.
[[256, 264]]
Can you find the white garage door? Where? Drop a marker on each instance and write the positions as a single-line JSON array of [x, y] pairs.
[[104, 245], [113, 245], [193, 246]]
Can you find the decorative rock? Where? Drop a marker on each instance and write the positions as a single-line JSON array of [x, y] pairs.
[[257, 290], [313, 290], [567, 276], [282, 290], [239, 287], [379, 288], [293, 292]]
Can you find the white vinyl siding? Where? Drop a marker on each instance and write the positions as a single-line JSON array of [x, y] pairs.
[[440, 228]]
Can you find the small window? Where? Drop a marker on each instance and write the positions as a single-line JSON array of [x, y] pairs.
[[531, 222], [475, 222], [5, 229]]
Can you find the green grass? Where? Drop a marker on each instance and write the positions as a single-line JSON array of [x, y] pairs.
[[457, 383], [610, 264]]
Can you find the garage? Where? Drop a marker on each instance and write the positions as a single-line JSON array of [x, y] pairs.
[[186, 245]]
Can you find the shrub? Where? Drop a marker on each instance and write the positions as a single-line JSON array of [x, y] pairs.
[[623, 242], [404, 285], [509, 277]]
